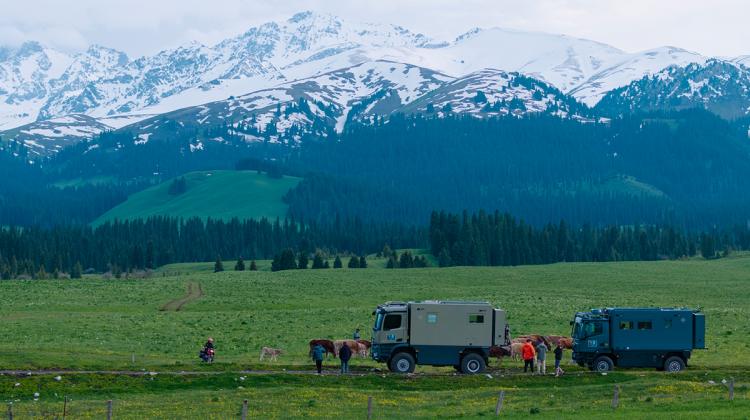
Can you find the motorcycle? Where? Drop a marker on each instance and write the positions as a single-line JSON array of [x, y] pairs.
[[207, 355]]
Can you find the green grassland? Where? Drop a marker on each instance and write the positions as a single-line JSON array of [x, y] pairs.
[[102, 324], [215, 194]]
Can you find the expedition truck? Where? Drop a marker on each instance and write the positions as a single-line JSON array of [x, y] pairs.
[[637, 337], [437, 333]]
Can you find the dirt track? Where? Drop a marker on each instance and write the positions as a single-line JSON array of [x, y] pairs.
[[194, 292]]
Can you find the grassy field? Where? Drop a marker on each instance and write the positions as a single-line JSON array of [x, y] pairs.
[[215, 194], [98, 324]]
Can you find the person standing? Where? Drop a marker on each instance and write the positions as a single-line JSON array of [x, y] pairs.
[[356, 335], [345, 353], [317, 355], [528, 353], [558, 359], [541, 357]]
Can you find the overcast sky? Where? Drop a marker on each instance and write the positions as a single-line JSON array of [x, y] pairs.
[[138, 27]]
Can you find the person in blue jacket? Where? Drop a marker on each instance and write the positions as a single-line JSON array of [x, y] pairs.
[[317, 355]]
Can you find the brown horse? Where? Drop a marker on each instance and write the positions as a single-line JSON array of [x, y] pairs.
[[564, 342], [499, 352], [326, 344], [366, 345]]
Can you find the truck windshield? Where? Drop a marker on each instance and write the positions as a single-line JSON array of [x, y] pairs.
[[378, 321], [577, 328]]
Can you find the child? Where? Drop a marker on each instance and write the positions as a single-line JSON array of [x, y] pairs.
[[558, 359]]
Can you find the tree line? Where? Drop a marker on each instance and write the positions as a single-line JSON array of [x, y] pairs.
[[140, 244], [499, 239]]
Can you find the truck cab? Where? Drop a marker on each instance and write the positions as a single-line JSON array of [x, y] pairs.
[[437, 333], [637, 337]]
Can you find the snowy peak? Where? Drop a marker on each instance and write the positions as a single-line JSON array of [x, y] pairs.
[[721, 87], [492, 92]]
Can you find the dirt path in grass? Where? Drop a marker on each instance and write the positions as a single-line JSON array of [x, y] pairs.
[[194, 292]]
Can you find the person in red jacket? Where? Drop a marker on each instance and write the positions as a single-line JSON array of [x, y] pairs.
[[528, 353]]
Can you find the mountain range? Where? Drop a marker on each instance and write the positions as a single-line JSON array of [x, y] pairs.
[[317, 72]]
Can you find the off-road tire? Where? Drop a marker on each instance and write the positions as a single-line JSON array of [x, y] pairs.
[[402, 363], [472, 363], [603, 364], [674, 364]]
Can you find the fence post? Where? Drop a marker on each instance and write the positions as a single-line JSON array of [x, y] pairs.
[[616, 397], [731, 389], [10, 411], [65, 407], [499, 405], [244, 410], [369, 408], [109, 410], [132, 358]]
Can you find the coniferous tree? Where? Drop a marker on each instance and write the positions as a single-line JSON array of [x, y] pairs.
[[77, 271], [303, 261], [240, 265], [318, 261], [284, 261], [42, 273], [326, 264], [444, 259], [708, 247], [391, 262], [150, 261], [218, 265], [337, 262], [362, 262], [406, 261], [353, 262], [253, 266], [116, 271]]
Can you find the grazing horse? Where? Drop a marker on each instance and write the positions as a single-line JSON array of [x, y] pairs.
[[499, 352], [366, 344], [564, 342], [354, 346], [270, 352], [326, 344], [515, 351], [535, 338]]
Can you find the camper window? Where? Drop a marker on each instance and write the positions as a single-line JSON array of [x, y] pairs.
[[644, 325], [476, 319], [626, 325]]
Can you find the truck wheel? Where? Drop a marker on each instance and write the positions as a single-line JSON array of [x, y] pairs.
[[603, 364], [674, 364], [402, 363], [472, 363]]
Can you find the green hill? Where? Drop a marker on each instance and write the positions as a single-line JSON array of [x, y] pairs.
[[215, 194]]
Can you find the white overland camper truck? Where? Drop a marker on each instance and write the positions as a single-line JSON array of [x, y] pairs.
[[437, 333]]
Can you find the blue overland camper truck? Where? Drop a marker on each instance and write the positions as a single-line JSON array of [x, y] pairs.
[[437, 333], [637, 337]]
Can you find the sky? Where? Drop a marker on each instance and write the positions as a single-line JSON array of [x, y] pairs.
[[143, 27]]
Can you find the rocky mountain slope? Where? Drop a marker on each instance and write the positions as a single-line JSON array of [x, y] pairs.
[[719, 86]]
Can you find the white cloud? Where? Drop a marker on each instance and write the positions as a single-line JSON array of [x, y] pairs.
[[146, 26]]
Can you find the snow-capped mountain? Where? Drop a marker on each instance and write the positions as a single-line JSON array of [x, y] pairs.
[[42, 138], [318, 104], [26, 75], [38, 83], [493, 92], [719, 86]]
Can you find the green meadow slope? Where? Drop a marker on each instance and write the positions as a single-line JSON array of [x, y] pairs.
[[161, 323], [215, 194]]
